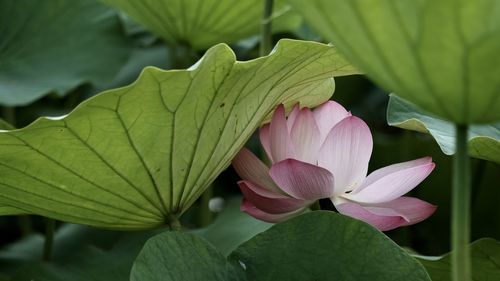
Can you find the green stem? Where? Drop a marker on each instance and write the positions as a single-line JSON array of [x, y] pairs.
[[174, 223], [50, 226], [182, 56], [9, 115], [460, 228], [266, 29], [205, 216]]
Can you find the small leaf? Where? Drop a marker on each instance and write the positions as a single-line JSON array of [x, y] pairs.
[[181, 256], [485, 257], [130, 157], [440, 55], [55, 45], [325, 246], [484, 140], [201, 24]]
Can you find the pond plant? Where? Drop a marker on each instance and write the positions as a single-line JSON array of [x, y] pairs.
[[199, 140]]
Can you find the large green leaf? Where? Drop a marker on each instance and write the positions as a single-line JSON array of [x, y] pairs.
[[314, 246], [172, 256], [485, 254], [131, 157], [484, 140], [55, 45], [202, 23], [325, 246], [441, 55]]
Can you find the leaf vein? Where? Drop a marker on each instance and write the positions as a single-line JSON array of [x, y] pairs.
[[91, 149]]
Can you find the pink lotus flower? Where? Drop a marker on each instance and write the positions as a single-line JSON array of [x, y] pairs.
[[324, 154]]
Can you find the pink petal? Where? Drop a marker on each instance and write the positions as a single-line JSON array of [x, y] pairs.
[[250, 168], [346, 153], [249, 208], [305, 137], [327, 116], [270, 202], [292, 116], [265, 141], [413, 210], [280, 142], [400, 212], [356, 211], [302, 180], [382, 172], [391, 182]]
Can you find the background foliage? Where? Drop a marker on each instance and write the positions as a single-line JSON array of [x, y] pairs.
[[54, 54]]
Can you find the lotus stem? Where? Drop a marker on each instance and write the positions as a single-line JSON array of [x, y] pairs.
[[266, 29], [50, 226], [460, 228], [9, 115], [205, 216], [174, 223]]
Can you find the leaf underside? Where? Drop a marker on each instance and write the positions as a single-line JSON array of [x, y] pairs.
[[129, 157], [440, 55], [203, 23], [484, 140]]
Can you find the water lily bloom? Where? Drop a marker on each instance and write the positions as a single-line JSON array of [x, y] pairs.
[[324, 153]]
